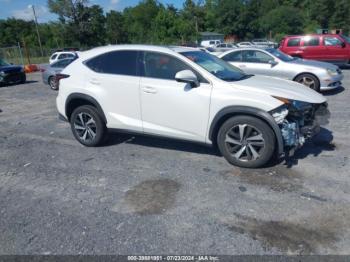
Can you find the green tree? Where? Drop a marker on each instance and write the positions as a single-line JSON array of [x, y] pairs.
[[115, 28], [283, 20]]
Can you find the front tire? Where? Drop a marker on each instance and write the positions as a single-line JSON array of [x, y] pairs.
[[23, 79], [87, 126], [309, 80], [52, 83], [246, 141]]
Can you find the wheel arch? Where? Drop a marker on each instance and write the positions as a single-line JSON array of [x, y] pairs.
[[231, 111], [78, 99]]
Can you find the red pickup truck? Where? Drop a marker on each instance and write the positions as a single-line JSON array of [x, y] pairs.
[[331, 48]]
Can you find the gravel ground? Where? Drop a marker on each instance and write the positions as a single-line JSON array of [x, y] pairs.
[[142, 195]]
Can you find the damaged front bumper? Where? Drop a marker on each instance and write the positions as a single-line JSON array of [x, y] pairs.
[[299, 121]]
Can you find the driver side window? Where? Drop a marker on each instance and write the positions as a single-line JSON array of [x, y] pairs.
[[253, 56]]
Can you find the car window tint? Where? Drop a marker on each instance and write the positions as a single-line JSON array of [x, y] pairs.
[[163, 66], [53, 56], [211, 42], [311, 41], [293, 42], [331, 41], [233, 57], [252, 56], [116, 62], [62, 63]]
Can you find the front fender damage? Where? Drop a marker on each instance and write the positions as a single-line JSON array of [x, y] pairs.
[[300, 121]]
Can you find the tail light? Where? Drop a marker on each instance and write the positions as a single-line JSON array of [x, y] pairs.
[[59, 77]]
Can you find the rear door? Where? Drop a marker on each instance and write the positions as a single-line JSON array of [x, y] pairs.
[[334, 49], [313, 48], [114, 79], [292, 46]]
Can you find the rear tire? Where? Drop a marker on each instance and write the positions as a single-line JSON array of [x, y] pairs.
[[246, 141], [87, 126], [308, 80]]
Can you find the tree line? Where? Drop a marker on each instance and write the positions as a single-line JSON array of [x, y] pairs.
[[81, 24]]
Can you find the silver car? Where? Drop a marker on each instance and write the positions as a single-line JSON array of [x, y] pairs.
[[319, 76], [49, 72]]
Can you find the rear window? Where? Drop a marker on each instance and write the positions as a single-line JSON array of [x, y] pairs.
[[116, 62], [311, 41], [293, 42]]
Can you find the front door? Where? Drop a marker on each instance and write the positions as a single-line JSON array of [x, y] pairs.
[[171, 108]]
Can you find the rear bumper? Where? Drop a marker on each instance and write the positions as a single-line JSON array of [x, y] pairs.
[[12, 78]]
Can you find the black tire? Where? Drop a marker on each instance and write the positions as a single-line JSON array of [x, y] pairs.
[[97, 127], [52, 83], [23, 79], [254, 128], [316, 83]]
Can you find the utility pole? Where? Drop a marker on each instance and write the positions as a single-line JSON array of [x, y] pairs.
[[37, 29]]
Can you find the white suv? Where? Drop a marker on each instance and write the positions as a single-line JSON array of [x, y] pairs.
[[187, 94]]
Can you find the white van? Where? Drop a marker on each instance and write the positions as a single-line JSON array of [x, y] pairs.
[[210, 43]]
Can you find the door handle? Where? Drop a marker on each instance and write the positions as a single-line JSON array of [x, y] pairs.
[[94, 82], [149, 90]]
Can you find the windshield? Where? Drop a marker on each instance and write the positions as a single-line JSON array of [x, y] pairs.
[[277, 53], [216, 66], [3, 63], [347, 39]]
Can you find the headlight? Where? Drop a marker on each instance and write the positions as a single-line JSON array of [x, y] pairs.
[[332, 72], [2, 73], [294, 103]]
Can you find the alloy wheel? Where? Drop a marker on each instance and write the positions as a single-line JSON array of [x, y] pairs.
[[307, 81], [85, 127], [245, 142]]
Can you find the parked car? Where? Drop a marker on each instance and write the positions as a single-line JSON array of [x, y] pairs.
[[62, 55], [245, 44], [317, 75], [11, 74], [49, 72], [331, 48], [263, 42], [223, 47], [210, 50], [188, 94], [210, 43]]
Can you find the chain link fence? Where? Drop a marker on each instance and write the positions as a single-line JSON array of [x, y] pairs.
[[12, 54], [19, 55]]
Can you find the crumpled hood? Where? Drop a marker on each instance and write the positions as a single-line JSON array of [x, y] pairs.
[[281, 88], [314, 63]]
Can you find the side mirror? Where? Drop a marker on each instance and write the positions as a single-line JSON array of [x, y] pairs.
[[187, 76], [343, 45], [273, 63]]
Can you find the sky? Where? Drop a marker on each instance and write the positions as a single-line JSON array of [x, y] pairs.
[[20, 9]]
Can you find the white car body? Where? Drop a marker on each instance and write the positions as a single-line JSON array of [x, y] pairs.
[[210, 43], [62, 55], [167, 107]]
